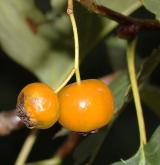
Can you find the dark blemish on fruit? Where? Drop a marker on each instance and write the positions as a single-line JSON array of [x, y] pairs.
[[21, 112]]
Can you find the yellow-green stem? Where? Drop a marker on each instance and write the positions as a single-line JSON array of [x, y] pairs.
[[76, 40], [56, 160], [65, 81], [134, 85], [26, 148]]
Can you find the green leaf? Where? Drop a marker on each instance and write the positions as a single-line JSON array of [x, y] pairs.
[[115, 5], [33, 51], [150, 96], [49, 52], [153, 6], [150, 64], [149, 155], [116, 48], [121, 89]]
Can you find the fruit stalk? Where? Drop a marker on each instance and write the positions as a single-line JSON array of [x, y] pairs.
[[27, 146], [69, 76], [134, 85], [70, 12]]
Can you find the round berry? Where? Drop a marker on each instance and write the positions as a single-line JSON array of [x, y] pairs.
[[38, 106], [86, 106]]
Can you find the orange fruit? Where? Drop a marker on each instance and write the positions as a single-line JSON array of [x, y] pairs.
[[86, 106], [38, 106]]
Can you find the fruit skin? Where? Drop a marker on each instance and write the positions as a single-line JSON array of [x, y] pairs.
[[86, 106], [38, 106]]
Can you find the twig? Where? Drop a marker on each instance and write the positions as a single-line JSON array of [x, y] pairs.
[[64, 150], [129, 26], [9, 122], [68, 77], [53, 161], [26, 148], [68, 146]]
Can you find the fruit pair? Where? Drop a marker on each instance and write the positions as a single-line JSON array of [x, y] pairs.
[[80, 107]]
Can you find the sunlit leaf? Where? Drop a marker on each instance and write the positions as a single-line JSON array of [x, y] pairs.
[[115, 5], [29, 48]]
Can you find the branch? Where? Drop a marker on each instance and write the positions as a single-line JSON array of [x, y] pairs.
[[68, 146], [129, 26], [9, 122]]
